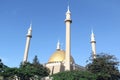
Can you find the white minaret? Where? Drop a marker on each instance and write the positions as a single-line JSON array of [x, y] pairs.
[[93, 45], [58, 46], [29, 36], [68, 21]]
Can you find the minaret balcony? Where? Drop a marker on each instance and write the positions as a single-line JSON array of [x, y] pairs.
[[68, 20]]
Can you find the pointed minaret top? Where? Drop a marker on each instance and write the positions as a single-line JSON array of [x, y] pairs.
[[68, 10], [92, 35], [30, 27], [58, 45], [29, 34], [68, 15]]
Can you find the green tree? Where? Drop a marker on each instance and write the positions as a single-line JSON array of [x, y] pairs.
[[41, 70], [5, 71], [105, 67], [35, 61], [26, 71], [32, 70], [1, 65], [9, 73], [74, 75]]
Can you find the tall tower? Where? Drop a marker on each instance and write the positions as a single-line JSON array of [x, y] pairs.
[[68, 21], [29, 36], [93, 45]]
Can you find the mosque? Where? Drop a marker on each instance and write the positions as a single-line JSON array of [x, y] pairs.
[[61, 60]]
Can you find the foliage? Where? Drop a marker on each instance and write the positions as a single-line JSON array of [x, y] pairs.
[[74, 75], [9, 73], [26, 71], [105, 67], [32, 70], [1, 65], [40, 69], [35, 61]]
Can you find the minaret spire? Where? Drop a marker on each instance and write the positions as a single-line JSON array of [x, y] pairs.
[[29, 36], [68, 10], [92, 36], [68, 21], [58, 45], [30, 30], [93, 44], [68, 15]]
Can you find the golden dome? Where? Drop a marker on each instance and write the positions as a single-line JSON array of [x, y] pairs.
[[59, 56]]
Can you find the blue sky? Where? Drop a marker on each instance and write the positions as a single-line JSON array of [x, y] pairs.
[[47, 17]]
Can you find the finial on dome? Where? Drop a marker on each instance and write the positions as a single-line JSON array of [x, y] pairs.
[[58, 45]]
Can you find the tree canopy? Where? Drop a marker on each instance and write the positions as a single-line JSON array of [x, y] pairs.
[[26, 71], [74, 75], [105, 67], [1, 65]]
